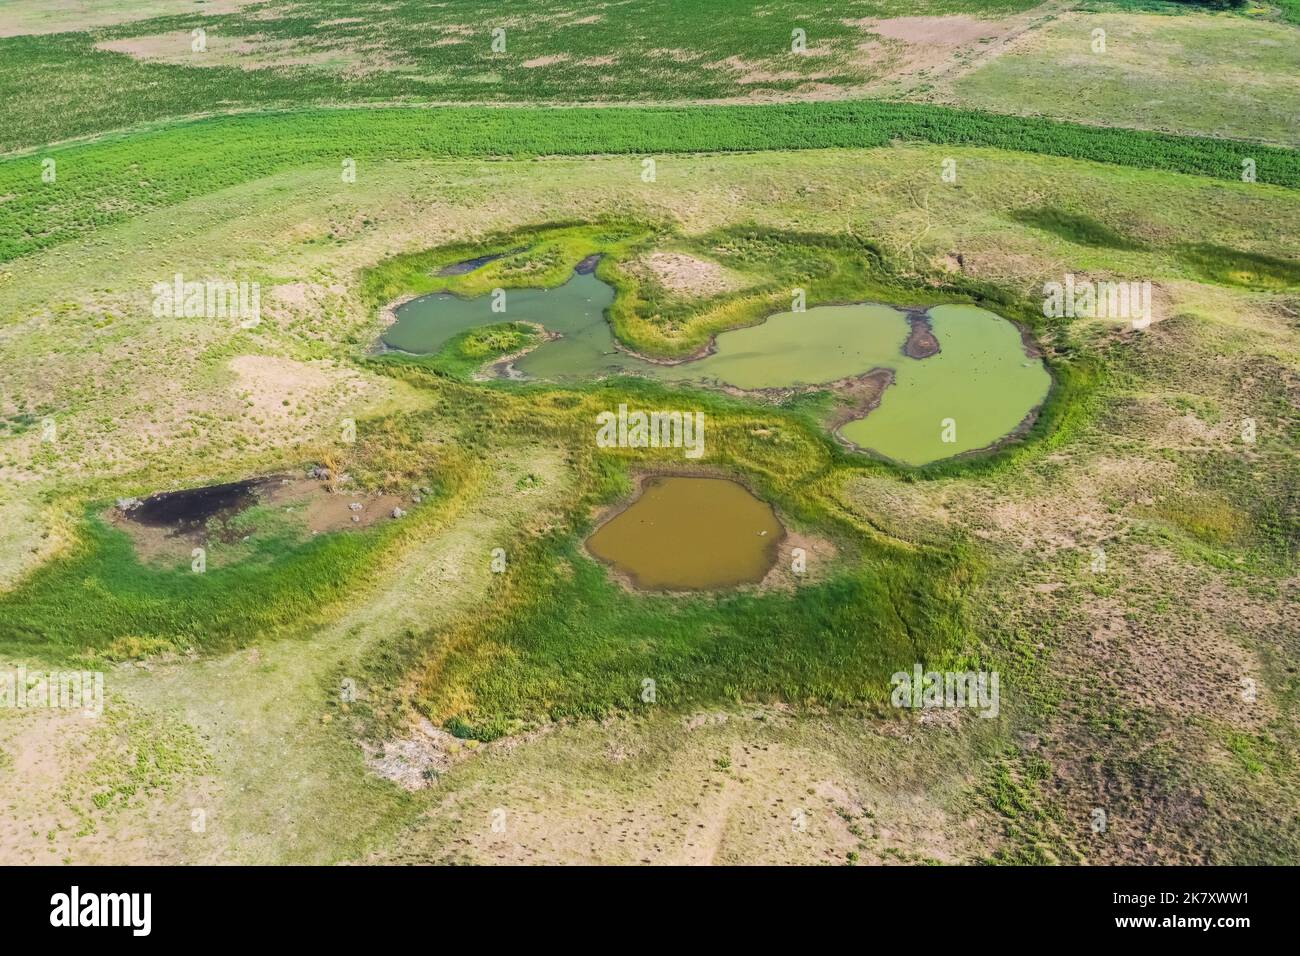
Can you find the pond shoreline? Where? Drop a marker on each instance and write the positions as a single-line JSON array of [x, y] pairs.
[[856, 396]]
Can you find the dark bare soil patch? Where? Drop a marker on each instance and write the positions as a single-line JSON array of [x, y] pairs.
[[921, 342]]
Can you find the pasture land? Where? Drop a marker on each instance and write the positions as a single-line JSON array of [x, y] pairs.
[[1217, 75], [229, 686]]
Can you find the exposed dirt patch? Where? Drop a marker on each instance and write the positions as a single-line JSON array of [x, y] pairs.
[[113, 788], [858, 396], [921, 342], [327, 510], [279, 390], [540, 61], [1197, 672], [801, 559], [749, 72], [417, 760], [920, 50], [293, 295], [686, 275], [254, 52], [947, 31]]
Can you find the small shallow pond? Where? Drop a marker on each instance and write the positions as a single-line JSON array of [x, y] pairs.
[[981, 380], [575, 310], [975, 391], [690, 534]]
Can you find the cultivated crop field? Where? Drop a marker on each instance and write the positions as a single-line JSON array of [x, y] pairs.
[[341, 597]]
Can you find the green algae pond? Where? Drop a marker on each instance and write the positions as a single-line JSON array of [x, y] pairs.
[[977, 389], [686, 533], [575, 311]]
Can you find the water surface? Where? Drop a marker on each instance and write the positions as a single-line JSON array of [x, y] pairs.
[[977, 390], [974, 392], [691, 534]]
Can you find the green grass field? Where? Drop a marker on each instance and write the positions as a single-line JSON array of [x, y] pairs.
[[122, 177]]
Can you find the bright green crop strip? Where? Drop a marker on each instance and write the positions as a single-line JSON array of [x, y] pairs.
[[122, 176]]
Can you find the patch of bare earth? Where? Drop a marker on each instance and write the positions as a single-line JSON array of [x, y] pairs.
[[920, 50], [253, 52], [66, 796], [318, 507], [280, 390], [416, 760], [550, 60], [921, 342]]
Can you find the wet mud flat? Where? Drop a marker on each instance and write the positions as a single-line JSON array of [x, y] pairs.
[[190, 509], [921, 341], [478, 262], [166, 525]]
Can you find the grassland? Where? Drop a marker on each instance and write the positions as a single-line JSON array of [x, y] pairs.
[[1167, 66], [113, 180], [987, 562], [1219, 75], [326, 52]]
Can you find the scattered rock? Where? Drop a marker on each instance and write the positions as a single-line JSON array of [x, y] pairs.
[[355, 506], [398, 513]]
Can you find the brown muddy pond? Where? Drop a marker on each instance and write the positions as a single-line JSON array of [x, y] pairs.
[[690, 534]]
